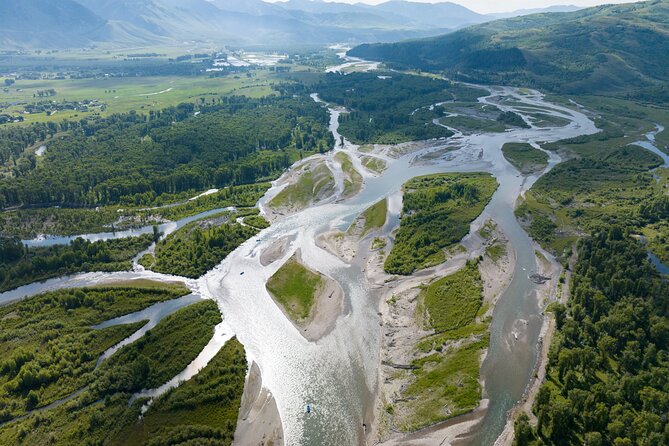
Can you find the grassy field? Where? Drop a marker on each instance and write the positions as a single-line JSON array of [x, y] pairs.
[[374, 164], [353, 179], [142, 94], [496, 251], [525, 158], [543, 120], [446, 385], [445, 380], [438, 210], [375, 217], [469, 124], [312, 183], [256, 221], [453, 301], [295, 288]]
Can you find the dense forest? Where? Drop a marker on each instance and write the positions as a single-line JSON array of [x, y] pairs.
[[198, 247], [609, 49], [49, 351], [110, 160], [607, 378], [48, 347], [152, 360], [20, 265], [390, 107], [436, 214]]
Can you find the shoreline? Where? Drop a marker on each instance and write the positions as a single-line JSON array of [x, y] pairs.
[[547, 293], [259, 422], [400, 333], [327, 307]]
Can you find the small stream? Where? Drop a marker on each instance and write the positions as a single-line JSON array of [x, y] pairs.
[[89, 279], [649, 144], [165, 228], [153, 315]]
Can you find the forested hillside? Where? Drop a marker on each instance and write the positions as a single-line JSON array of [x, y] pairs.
[[111, 160], [614, 49]]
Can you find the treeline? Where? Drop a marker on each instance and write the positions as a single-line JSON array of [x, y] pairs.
[[57, 341], [390, 108], [49, 348], [197, 248], [109, 160], [20, 265], [162, 353], [14, 140], [607, 381], [28, 223], [437, 212]]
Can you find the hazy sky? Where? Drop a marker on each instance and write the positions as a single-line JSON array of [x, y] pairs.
[[485, 6]]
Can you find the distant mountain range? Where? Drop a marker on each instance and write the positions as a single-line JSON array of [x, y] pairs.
[[26, 24], [610, 49]]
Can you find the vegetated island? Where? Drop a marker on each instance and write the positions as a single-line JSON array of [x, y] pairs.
[[310, 300], [91, 404], [436, 214]]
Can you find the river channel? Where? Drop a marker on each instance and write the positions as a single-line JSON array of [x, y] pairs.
[[337, 375]]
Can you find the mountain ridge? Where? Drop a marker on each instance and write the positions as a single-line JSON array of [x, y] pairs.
[[606, 49], [82, 23]]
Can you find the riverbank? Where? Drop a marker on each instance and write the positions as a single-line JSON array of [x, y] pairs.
[[326, 304], [402, 331], [553, 289], [259, 422]]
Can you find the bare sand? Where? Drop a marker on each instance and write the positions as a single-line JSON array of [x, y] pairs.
[[275, 251], [401, 331], [327, 307], [325, 312], [340, 244], [259, 423]]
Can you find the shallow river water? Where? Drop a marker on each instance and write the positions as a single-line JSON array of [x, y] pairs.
[[338, 374]]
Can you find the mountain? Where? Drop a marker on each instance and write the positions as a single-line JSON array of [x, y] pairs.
[[49, 24], [611, 49], [435, 15], [26, 24], [522, 12], [79, 23]]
